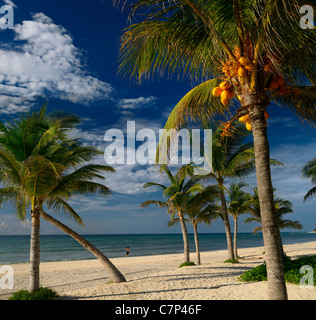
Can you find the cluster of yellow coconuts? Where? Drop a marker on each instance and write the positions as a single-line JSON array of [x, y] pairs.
[[245, 119], [245, 65], [225, 90]]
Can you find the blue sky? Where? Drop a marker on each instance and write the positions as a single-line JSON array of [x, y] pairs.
[[66, 53]]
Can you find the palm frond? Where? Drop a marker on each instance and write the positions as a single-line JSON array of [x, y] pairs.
[[58, 205], [150, 184], [7, 194], [309, 170], [157, 203], [301, 101], [79, 188], [311, 193]]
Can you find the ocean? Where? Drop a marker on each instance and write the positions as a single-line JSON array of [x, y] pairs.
[[15, 249]]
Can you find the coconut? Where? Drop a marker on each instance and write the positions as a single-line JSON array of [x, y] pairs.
[[231, 93], [224, 85], [242, 71], [244, 118], [225, 101], [273, 85], [216, 92], [244, 61], [248, 126], [266, 115], [225, 95]]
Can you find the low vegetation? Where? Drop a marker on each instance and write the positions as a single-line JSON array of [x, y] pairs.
[[40, 294], [291, 270], [187, 264]]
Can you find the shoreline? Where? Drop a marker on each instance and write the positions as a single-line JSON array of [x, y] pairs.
[[242, 246], [157, 277]]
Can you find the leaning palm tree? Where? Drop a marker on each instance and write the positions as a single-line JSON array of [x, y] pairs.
[[282, 207], [40, 166], [238, 204], [309, 171], [177, 195], [245, 55], [201, 207]]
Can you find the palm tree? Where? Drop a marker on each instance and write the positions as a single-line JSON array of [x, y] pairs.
[[282, 207], [40, 166], [231, 157], [177, 195], [238, 204], [201, 207], [253, 49], [309, 171]]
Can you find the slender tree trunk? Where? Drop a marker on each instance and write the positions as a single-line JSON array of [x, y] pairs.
[[114, 274], [34, 283], [197, 245], [226, 222], [185, 238], [235, 237], [271, 233]]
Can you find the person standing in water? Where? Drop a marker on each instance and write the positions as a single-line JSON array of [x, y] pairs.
[[127, 251]]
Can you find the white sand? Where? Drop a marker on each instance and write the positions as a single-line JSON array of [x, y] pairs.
[[159, 278]]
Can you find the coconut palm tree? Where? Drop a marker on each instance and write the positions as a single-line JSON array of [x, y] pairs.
[[309, 171], [177, 195], [245, 55], [282, 207], [41, 166], [201, 207], [238, 204]]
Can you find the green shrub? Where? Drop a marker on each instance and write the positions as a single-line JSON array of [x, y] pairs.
[[231, 261], [291, 270], [40, 294], [186, 264], [258, 273]]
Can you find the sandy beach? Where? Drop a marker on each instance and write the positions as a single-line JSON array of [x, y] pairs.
[[159, 278]]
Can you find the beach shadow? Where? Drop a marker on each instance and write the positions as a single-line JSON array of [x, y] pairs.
[[128, 293], [79, 282]]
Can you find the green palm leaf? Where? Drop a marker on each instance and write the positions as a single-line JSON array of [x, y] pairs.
[[57, 204]]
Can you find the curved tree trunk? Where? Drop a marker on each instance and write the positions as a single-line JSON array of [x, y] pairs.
[[197, 245], [34, 282], [226, 222], [271, 233], [235, 237], [185, 238], [114, 274]]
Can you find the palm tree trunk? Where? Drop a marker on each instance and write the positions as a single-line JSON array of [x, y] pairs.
[[270, 229], [235, 237], [34, 282], [226, 222], [185, 238], [197, 245], [114, 274]]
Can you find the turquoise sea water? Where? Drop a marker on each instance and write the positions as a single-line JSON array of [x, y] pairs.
[[15, 249]]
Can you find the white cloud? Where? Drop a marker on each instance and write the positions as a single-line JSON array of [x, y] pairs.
[[43, 62], [10, 3], [136, 103]]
